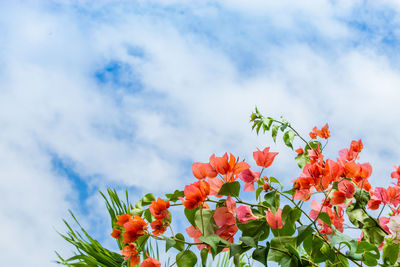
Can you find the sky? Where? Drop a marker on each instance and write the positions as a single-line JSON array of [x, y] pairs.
[[127, 94]]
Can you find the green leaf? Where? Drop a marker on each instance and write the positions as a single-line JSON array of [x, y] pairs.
[[147, 199], [148, 216], [204, 255], [288, 138], [190, 215], [261, 254], [175, 196], [186, 259], [325, 218], [390, 253], [275, 129], [205, 222], [272, 199], [274, 180], [302, 160], [169, 243], [258, 192], [254, 228], [372, 233], [258, 126], [249, 241], [179, 245], [267, 122], [303, 231], [312, 145], [232, 189]]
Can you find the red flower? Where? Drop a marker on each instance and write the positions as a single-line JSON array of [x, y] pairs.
[[323, 133], [195, 194], [299, 151], [158, 227], [356, 146], [203, 170], [245, 214], [264, 158], [227, 232], [122, 219], [222, 216], [116, 233], [249, 177], [228, 167], [338, 197], [130, 253], [135, 228], [215, 186], [274, 220], [159, 209], [347, 187], [150, 262], [396, 174]]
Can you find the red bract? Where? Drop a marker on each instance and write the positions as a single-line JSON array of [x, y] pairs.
[[264, 158], [338, 197], [215, 186], [150, 262], [116, 233], [245, 214], [228, 167], [159, 209], [122, 219], [135, 227], [222, 216], [396, 174], [274, 220], [227, 232], [130, 253], [249, 177], [159, 227], [323, 133], [203, 170], [195, 194], [347, 188]]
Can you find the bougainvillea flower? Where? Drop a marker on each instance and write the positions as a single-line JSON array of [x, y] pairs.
[[347, 187], [215, 186], [245, 214], [195, 234], [116, 233], [338, 197], [249, 177], [159, 209], [366, 170], [323, 133], [150, 262], [227, 232], [396, 174], [230, 204], [264, 158], [393, 195], [222, 216], [135, 227], [356, 146], [195, 194], [158, 227], [383, 221], [299, 151], [274, 220], [203, 170], [131, 253], [122, 219], [352, 169], [373, 204], [228, 166], [394, 224]]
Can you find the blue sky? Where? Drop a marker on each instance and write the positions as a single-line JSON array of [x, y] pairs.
[[126, 94]]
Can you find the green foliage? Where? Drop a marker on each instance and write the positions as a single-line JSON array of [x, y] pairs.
[[232, 189]]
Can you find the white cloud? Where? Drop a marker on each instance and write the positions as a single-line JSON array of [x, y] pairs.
[[193, 101]]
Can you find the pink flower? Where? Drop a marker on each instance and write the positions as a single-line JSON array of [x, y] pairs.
[[264, 158], [231, 204], [223, 217], [244, 214], [249, 177], [274, 220], [215, 186]]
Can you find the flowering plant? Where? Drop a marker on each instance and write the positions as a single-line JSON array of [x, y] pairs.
[[304, 225]]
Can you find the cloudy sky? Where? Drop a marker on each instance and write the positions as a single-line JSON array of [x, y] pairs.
[[126, 94]]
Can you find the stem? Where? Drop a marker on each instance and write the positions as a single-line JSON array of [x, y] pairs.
[[380, 213]]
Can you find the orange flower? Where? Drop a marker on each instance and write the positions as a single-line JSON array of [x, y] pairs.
[[338, 197], [158, 227], [116, 233], [299, 151], [122, 219], [228, 167], [130, 253], [356, 146], [159, 209], [195, 194], [223, 216], [203, 170], [135, 228], [323, 133], [264, 158], [150, 262], [215, 186], [274, 220]]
